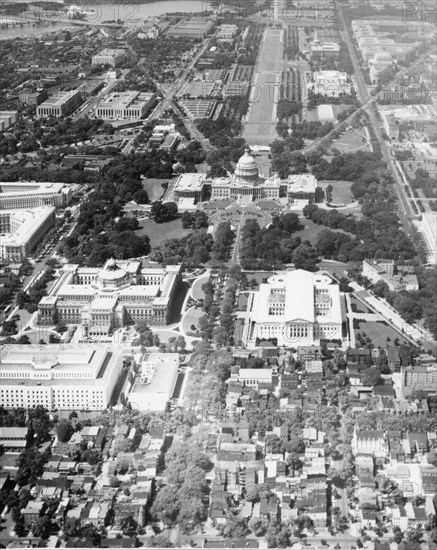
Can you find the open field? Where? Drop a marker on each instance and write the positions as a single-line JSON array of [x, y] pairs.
[[153, 188], [311, 231], [160, 232], [378, 332], [341, 193], [351, 140]]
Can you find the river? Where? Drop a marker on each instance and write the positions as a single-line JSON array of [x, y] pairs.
[[103, 12]]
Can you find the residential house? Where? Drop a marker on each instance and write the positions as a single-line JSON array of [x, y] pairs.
[[369, 442]]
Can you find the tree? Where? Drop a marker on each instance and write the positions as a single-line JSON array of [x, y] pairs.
[[370, 376], [305, 257], [41, 527], [64, 431]]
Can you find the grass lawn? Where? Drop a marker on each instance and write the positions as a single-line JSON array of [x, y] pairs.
[[311, 115], [351, 140], [310, 230], [259, 277], [238, 330], [153, 188], [359, 307], [378, 332], [341, 193], [242, 302], [196, 290], [160, 232], [191, 318]]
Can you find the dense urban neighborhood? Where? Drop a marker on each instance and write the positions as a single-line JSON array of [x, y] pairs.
[[218, 274]]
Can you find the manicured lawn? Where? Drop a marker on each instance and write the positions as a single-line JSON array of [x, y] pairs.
[[196, 290], [351, 140], [192, 318], [153, 188], [311, 115], [160, 232], [378, 332], [360, 307], [341, 193], [259, 277], [310, 230]]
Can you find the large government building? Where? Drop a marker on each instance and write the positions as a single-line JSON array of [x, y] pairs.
[[298, 308], [22, 230], [101, 300], [31, 194], [58, 376], [246, 185]]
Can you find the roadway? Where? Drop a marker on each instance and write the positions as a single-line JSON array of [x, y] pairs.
[[405, 213], [167, 103]]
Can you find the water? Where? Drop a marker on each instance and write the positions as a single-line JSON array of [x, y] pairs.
[[28, 30], [99, 13], [111, 12]]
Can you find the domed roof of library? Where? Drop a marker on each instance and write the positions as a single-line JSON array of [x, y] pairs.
[[112, 272]]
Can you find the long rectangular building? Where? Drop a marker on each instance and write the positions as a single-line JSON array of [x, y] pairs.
[[58, 376], [22, 230], [30, 194], [125, 105], [60, 104]]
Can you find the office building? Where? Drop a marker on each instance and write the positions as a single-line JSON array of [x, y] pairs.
[[198, 108], [383, 270], [125, 105], [59, 376], [157, 382], [428, 228], [419, 378], [298, 308], [18, 195], [101, 300], [22, 230], [108, 56], [60, 104], [7, 119], [330, 84], [399, 38], [33, 97], [191, 29]]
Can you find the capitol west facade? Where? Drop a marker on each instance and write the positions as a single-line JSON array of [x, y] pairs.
[[246, 185]]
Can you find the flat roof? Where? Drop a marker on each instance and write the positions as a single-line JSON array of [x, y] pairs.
[[30, 221], [190, 182]]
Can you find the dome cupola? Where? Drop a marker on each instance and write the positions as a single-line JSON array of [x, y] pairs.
[[246, 170]]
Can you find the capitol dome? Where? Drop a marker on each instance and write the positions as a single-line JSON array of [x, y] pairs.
[[112, 275], [246, 170]]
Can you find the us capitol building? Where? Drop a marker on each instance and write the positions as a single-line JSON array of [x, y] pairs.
[[101, 300], [245, 185]]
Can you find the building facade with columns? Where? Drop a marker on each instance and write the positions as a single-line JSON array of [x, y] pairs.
[[246, 185], [101, 300], [298, 308]]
